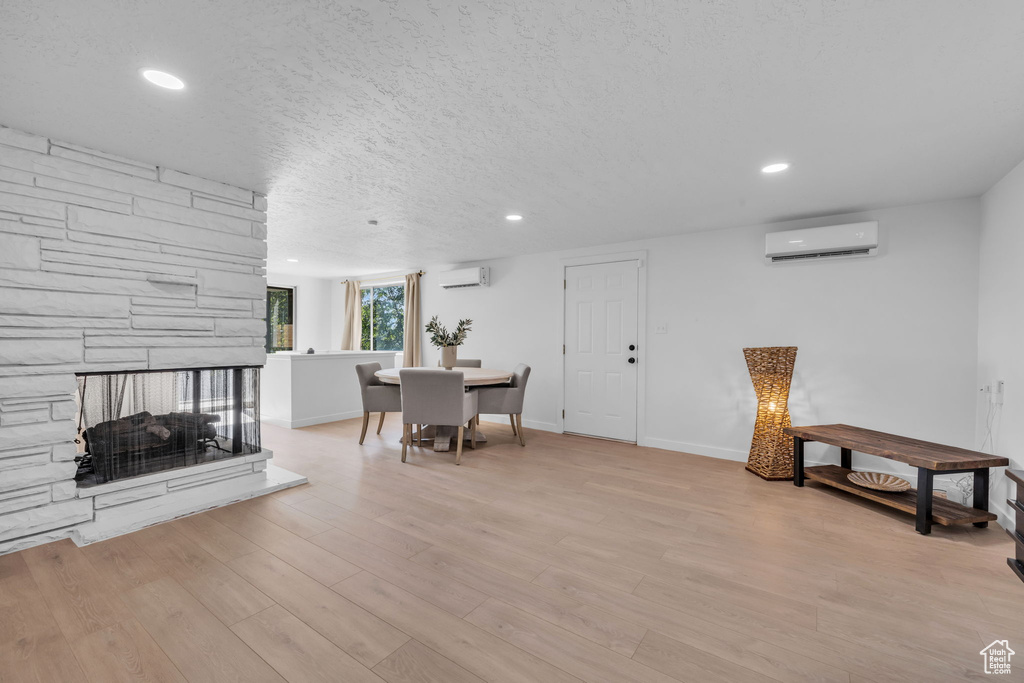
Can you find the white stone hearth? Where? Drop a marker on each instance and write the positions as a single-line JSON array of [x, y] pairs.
[[126, 505]]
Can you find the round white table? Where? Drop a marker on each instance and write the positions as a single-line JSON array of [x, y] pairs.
[[472, 377], [442, 435]]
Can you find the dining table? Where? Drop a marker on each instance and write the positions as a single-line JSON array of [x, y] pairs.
[[443, 435]]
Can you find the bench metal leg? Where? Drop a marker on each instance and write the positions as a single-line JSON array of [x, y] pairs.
[[845, 458], [798, 461], [981, 493], [924, 500]]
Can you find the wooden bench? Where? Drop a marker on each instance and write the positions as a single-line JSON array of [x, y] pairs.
[[927, 457]]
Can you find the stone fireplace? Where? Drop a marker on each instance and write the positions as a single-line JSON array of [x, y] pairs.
[[129, 279]]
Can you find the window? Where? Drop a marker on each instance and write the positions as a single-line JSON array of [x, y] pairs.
[[383, 318], [280, 318]]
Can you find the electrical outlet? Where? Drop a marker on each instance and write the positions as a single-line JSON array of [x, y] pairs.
[[998, 391]]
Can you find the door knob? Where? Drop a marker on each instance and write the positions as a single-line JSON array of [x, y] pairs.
[[632, 347], [632, 360]]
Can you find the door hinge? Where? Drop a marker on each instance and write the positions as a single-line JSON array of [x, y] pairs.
[[563, 349], [563, 414], [565, 284]]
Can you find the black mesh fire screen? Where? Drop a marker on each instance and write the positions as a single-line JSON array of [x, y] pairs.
[[134, 423]]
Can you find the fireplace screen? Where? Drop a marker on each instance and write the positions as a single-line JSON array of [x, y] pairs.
[[133, 423]]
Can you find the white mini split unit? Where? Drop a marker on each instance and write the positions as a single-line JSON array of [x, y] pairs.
[[465, 277], [833, 241]]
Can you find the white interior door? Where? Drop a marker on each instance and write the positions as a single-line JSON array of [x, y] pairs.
[[600, 341]]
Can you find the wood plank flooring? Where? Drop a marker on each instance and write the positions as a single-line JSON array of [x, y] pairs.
[[568, 560]]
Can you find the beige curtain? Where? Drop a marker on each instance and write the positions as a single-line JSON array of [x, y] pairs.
[[352, 336], [411, 342]]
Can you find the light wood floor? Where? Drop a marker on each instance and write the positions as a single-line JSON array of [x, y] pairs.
[[570, 559]]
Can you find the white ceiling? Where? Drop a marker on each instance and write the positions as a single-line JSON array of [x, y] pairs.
[[599, 121]]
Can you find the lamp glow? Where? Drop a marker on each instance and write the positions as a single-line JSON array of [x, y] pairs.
[[775, 168], [292, 260], [513, 217], [163, 79]]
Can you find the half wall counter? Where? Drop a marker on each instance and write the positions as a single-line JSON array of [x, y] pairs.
[[300, 389]]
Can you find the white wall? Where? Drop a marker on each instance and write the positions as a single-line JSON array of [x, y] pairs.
[[313, 312], [887, 343], [1001, 323]]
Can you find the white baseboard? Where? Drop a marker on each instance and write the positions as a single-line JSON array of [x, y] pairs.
[[542, 426], [309, 421], [500, 419], [696, 449]]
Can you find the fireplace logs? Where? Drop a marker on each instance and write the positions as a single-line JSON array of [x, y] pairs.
[[117, 445], [149, 430]]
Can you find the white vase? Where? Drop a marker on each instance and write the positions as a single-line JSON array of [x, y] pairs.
[[448, 356]]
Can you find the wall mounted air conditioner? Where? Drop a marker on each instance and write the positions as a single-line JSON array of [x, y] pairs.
[[833, 241], [465, 277]]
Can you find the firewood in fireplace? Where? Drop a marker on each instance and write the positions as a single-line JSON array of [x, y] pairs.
[[159, 430], [124, 425], [142, 432]]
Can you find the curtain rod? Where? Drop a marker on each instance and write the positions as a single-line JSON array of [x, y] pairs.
[[381, 279]]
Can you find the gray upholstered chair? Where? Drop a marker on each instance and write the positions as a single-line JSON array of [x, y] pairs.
[[507, 400], [437, 397], [377, 396], [466, 363]]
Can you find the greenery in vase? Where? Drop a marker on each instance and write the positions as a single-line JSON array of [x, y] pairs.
[[441, 337]]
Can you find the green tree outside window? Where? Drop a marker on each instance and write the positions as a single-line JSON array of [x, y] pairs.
[[280, 318], [383, 318]]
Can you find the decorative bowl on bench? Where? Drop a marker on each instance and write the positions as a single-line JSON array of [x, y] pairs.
[[879, 481]]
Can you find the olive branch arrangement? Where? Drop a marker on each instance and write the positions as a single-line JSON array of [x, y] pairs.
[[441, 337]]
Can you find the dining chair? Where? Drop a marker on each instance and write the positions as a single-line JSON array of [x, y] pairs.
[[466, 363], [377, 396], [437, 397], [507, 400]]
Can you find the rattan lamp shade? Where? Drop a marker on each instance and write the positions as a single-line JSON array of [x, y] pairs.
[[771, 451]]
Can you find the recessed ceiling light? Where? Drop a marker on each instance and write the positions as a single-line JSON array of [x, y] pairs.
[[775, 168], [164, 80], [513, 217], [292, 260]]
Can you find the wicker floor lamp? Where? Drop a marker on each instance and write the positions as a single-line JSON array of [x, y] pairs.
[[771, 451]]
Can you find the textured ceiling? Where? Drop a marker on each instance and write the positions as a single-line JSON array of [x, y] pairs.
[[599, 121]]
